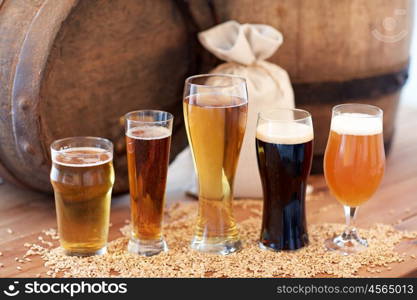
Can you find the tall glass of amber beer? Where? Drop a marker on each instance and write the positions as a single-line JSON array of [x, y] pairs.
[[215, 112], [148, 141], [82, 177], [354, 164], [284, 144]]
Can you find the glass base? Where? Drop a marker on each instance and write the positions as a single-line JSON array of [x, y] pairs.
[[147, 248], [269, 248], [222, 247], [100, 251], [349, 242], [265, 247]]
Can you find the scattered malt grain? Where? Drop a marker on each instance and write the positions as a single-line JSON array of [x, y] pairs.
[[180, 261]]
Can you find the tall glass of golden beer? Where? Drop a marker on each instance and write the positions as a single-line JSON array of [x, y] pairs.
[[148, 140], [215, 112], [354, 164], [82, 177]]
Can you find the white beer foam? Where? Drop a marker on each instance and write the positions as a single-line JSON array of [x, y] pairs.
[[87, 160], [356, 124], [148, 132], [215, 100], [284, 133]]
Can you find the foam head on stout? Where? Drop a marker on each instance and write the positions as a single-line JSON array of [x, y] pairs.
[[284, 153]]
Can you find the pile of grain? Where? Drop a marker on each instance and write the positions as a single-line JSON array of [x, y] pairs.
[[180, 261]]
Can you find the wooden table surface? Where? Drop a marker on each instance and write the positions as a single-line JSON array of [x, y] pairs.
[[28, 213]]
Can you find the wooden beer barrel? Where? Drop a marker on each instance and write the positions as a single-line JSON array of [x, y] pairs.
[[335, 52], [71, 68]]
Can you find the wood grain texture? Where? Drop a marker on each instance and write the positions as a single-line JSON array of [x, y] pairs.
[[75, 67], [20, 13], [27, 213], [328, 42], [71, 68], [332, 37]]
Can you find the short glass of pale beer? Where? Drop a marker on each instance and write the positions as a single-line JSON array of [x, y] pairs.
[[148, 141], [82, 177], [354, 164], [215, 112], [284, 147]]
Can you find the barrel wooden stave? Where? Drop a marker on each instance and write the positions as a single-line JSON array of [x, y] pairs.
[[327, 42], [21, 14], [76, 67]]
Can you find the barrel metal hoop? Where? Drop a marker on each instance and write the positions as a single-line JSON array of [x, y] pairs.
[[341, 91], [26, 83]]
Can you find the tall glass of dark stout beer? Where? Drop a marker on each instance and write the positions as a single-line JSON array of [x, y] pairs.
[[215, 111], [148, 141], [82, 177], [284, 142], [354, 165]]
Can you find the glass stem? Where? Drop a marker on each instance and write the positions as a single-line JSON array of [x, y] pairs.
[[350, 213]]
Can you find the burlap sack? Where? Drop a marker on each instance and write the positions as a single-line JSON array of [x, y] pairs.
[[245, 48]]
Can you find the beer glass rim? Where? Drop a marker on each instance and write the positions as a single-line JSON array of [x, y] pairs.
[[189, 79], [377, 112], [127, 116], [263, 115], [106, 143]]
